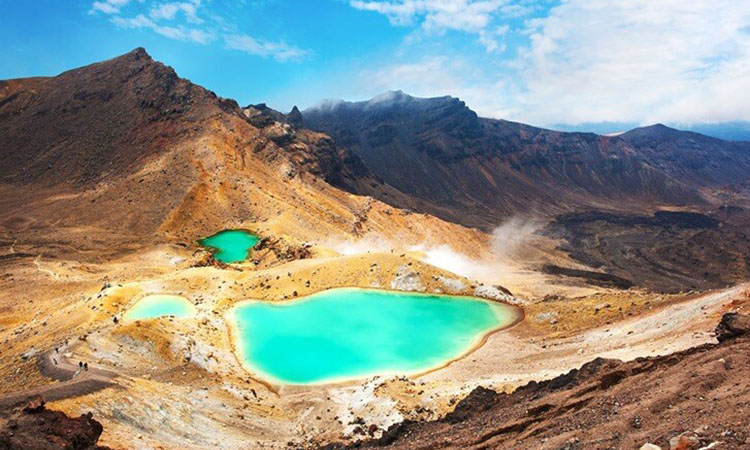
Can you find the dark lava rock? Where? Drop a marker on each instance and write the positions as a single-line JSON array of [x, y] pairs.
[[480, 399], [595, 278], [34, 427], [732, 325]]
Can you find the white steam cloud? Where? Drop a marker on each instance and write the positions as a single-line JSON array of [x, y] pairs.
[[509, 251], [370, 243]]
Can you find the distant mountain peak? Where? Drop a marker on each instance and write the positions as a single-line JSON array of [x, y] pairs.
[[399, 97], [657, 127], [294, 117], [661, 132], [389, 99]]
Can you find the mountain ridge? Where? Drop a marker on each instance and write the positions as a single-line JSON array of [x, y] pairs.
[[127, 144], [442, 153], [402, 97]]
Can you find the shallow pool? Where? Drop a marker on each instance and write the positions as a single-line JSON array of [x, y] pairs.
[[160, 305], [352, 333], [230, 246]]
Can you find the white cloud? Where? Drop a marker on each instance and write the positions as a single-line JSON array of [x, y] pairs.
[[168, 11], [677, 61], [173, 32], [641, 60], [108, 6], [280, 51], [491, 39], [436, 16], [180, 20]]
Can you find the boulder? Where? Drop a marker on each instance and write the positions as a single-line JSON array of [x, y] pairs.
[[683, 442], [32, 426], [732, 325], [649, 446]]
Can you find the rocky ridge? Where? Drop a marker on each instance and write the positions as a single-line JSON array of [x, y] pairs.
[[477, 171], [693, 399]]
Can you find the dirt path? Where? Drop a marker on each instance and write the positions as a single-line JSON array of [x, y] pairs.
[[72, 380], [41, 269]]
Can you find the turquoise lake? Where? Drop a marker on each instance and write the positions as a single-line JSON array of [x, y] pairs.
[[353, 333], [230, 246], [160, 305]]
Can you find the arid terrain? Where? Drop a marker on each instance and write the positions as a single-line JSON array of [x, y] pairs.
[[627, 248]]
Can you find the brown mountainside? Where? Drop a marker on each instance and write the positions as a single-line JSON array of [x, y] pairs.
[[127, 146], [477, 171], [104, 120]]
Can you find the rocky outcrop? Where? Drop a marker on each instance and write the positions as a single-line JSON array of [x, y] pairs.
[[731, 326], [34, 427], [294, 118]]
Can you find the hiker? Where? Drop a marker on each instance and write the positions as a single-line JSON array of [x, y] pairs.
[[80, 364], [86, 366], [55, 361]]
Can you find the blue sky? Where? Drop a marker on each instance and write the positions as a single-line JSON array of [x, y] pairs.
[[539, 61]]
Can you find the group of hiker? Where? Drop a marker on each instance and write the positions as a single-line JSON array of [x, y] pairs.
[[81, 365]]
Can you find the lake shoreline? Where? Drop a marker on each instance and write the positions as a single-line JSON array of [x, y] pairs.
[[516, 316]]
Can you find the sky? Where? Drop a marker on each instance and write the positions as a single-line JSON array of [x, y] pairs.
[[567, 63]]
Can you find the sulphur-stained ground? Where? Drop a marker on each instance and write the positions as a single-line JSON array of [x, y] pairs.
[[177, 383]]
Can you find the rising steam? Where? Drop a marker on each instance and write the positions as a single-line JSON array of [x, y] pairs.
[[509, 250]]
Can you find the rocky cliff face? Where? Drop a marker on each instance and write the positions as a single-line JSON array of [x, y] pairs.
[[477, 171]]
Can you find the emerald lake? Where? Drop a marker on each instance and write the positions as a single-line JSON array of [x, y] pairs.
[[352, 333], [230, 246], [160, 305]]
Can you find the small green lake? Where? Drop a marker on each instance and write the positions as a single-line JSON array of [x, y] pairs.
[[230, 246], [160, 305], [353, 333]]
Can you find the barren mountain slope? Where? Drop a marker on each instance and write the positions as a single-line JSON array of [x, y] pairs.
[[477, 171], [125, 148]]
